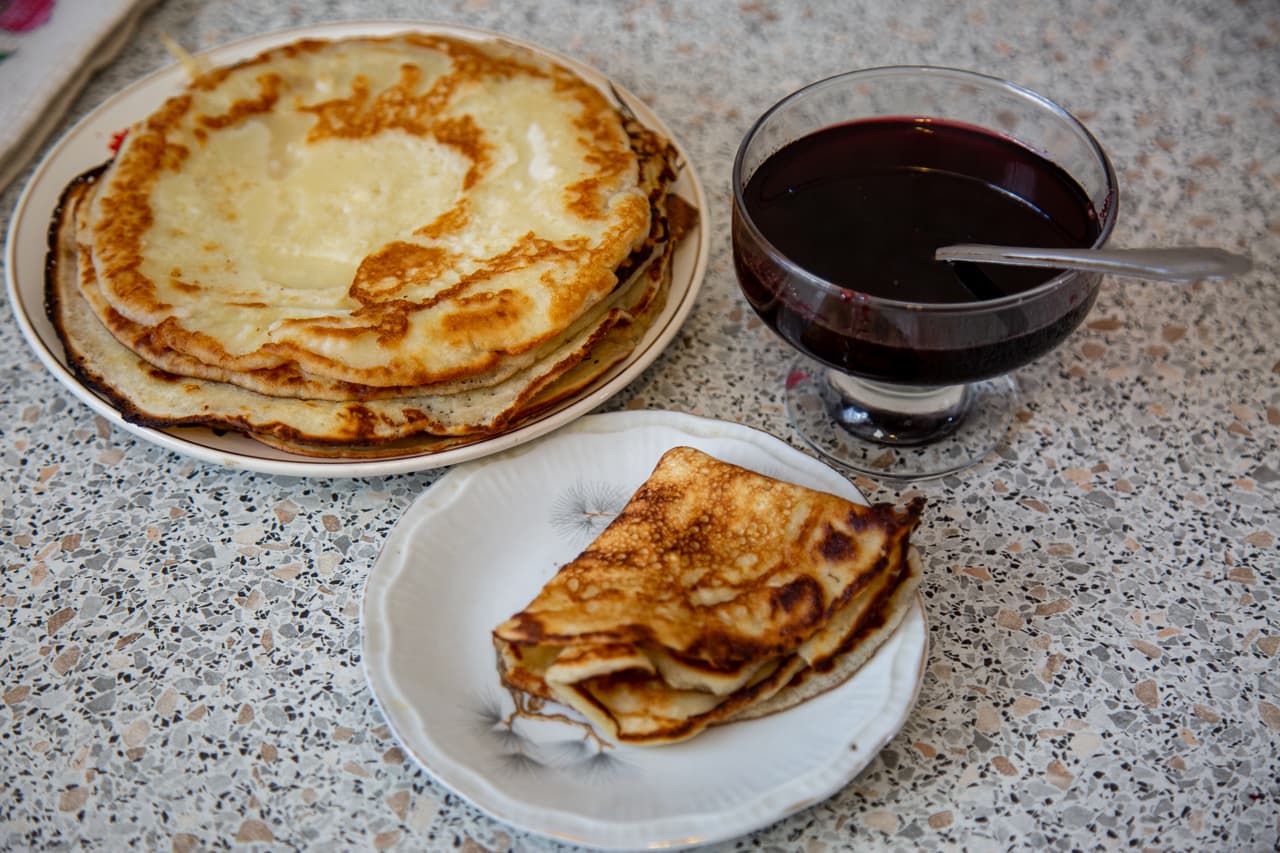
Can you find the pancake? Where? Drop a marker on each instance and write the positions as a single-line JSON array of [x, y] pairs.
[[418, 424], [848, 650], [400, 212], [290, 380], [709, 594], [367, 248]]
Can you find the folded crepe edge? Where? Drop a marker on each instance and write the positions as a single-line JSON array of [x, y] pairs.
[[811, 682], [776, 686]]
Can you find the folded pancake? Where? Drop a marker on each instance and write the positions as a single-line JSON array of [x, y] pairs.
[[709, 594], [422, 423], [398, 213], [841, 653]]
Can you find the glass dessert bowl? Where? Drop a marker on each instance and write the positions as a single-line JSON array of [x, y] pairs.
[[843, 191]]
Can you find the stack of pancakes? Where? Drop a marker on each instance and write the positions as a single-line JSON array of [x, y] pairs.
[[717, 594], [369, 246]]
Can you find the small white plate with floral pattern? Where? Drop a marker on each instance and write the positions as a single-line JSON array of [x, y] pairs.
[[480, 543]]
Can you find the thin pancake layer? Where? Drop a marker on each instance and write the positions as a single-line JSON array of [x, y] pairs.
[[391, 212], [290, 380], [727, 582], [631, 700], [154, 397], [849, 649]]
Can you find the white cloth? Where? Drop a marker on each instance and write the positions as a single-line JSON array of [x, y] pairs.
[[46, 67]]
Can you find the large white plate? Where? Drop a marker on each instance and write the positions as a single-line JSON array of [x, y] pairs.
[[87, 145], [481, 542]]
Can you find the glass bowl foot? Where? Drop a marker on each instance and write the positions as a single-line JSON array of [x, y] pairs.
[[898, 432]]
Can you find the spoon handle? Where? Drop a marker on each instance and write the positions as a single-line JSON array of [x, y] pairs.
[[1185, 263]]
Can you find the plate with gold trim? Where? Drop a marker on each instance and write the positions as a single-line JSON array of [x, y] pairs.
[[88, 144], [480, 542]]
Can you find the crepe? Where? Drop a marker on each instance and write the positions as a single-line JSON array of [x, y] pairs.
[[393, 212], [368, 247], [705, 599], [358, 428], [290, 379]]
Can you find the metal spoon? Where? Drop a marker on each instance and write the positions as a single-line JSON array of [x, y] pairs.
[[1183, 263]]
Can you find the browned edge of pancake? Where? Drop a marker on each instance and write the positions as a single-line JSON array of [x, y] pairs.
[[88, 377], [737, 702], [414, 445], [858, 649], [82, 371], [65, 207]]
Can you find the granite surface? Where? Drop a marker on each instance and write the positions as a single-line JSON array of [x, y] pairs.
[[179, 644]]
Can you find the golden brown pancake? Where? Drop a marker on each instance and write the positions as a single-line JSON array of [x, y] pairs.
[[291, 380], [838, 654], [366, 248], [358, 428], [712, 590], [394, 212]]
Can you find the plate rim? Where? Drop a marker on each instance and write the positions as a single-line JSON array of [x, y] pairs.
[[625, 834], [660, 335]]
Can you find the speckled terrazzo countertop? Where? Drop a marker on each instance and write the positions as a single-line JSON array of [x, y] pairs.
[[179, 644]]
